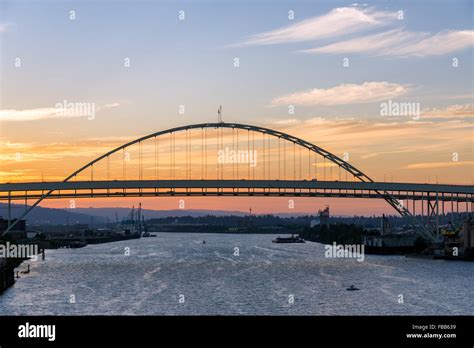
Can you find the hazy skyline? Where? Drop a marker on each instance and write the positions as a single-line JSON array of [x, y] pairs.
[[335, 63]]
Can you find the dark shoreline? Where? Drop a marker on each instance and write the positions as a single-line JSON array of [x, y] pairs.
[[7, 272]]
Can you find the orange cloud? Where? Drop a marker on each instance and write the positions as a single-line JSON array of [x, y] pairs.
[[440, 165], [366, 92]]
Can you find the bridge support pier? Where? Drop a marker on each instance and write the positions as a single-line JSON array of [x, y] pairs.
[[422, 209], [432, 219], [442, 209], [437, 216], [9, 208]]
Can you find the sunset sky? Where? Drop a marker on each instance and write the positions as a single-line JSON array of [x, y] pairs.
[[334, 63]]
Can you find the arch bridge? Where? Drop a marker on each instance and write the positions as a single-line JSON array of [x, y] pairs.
[[233, 159]]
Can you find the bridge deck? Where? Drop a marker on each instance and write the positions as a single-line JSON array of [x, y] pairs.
[[120, 188]]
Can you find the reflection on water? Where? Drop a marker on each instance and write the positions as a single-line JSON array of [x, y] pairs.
[[161, 272]]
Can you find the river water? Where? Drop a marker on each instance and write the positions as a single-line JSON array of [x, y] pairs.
[[175, 274]]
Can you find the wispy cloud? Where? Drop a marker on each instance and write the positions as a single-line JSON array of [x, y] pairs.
[[42, 152], [339, 21], [367, 137], [462, 96], [438, 44], [13, 115], [384, 153], [431, 165], [30, 114], [7, 144], [344, 94], [402, 43], [451, 111]]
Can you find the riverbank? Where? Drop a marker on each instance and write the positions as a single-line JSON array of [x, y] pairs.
[[80, 241], [7, 272], [12, 255]]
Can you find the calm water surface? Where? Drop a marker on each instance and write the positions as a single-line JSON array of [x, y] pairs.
[[214, 281]]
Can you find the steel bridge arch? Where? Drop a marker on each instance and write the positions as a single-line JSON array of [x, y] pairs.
[[298, 141]]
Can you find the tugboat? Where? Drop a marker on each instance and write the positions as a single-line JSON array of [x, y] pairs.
[[292, 239], [148, 234]]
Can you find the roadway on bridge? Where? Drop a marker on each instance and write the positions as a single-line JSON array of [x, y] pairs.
[[15, 191]]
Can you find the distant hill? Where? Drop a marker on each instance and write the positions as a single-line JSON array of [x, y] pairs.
[[152, 214], [41, 215]]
